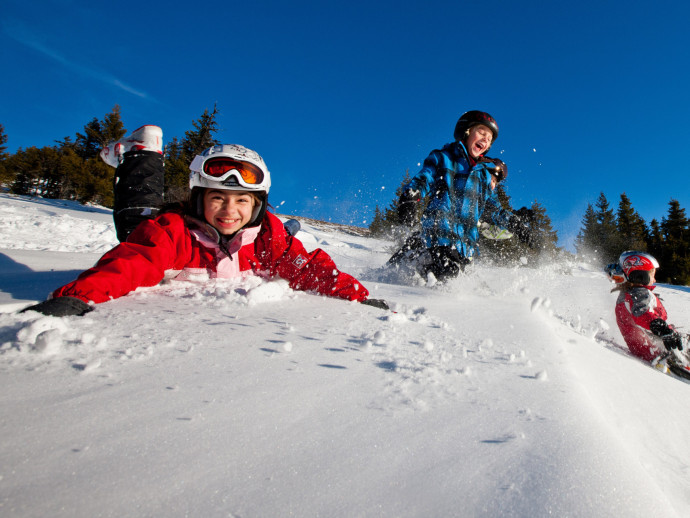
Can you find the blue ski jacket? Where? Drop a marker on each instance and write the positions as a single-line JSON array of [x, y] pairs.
[[459, 195]]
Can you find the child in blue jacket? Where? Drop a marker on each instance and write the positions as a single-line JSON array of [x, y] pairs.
[[459, 182]]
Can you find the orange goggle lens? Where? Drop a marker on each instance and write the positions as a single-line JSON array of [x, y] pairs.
[[219, 169]]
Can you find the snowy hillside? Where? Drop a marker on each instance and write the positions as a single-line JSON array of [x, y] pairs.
[[505, 393]]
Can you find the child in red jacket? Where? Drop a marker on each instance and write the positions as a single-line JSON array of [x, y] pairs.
[[223, 231], [640, 315]]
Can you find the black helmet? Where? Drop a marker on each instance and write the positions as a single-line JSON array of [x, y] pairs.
[[472, 118]]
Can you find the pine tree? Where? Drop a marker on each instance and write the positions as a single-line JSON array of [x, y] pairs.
[[72, 169], [179, 154], [176, 172], [26, 171], [195, 141], [608, 237], [675, 225], [675, 253], [377, 226], [391, 212], [3, 141], [5, 176], [598, 235], [88, 145], [112, 127], [97, 134], [655, 241], [632, 230], [586, 243], [546, 235], [386, 223], [37, 172], [503, 197]]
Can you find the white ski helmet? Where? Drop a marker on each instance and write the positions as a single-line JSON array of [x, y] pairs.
[[230, 167]]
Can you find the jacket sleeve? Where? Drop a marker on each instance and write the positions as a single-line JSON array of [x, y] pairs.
[[421, 184], [154, 247], [283, 255], [644, 306]]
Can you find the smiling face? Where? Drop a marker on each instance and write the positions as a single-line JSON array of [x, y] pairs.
[[228, 211], [479, 140]]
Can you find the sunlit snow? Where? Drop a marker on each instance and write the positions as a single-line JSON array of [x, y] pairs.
[[505, 393]]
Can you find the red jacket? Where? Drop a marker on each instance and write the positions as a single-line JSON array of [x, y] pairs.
[[172, 247], [635, 309]]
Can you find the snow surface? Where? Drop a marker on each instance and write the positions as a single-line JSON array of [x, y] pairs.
[[505, 393]]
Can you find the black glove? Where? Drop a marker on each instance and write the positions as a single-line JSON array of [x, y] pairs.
[[519, 224], [495, 166], [407, 209], [672, 341], [671, 338], [376, 303], [61, 307]]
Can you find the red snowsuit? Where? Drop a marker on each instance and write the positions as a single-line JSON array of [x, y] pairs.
[[636, 307], [172, 247]]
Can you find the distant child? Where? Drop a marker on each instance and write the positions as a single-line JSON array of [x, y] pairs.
[[640, 315], [458, 181], [223, 231]]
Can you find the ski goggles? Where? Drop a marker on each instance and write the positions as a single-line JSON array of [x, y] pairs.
[[221, 168]]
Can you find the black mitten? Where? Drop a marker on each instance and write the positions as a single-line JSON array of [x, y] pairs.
[[673, 341], [61, 307], [376, 303], [671, 338]]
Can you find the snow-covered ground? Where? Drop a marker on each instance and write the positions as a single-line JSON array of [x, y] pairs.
[[493, 396]]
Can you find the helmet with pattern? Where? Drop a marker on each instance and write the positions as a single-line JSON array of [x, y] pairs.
[[637, 265], [230, 167], [473, 118]]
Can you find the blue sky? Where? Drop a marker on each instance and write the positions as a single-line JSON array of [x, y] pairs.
[[341, 98]]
